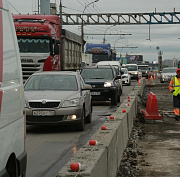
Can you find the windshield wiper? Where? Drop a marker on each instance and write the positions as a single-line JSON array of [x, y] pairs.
[[96, 78]]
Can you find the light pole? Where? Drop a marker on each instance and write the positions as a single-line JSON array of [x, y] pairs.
[[104, 40], [82, 24], [116, 42]]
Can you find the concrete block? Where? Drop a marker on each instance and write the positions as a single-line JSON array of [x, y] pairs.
[[131, 113], [93, 161]]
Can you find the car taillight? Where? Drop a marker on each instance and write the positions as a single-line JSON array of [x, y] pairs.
[[129, 73]]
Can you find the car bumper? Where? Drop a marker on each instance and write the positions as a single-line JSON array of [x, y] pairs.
[[166, 79], [134, 76], [125, 81], [103, 93], [60, 116]]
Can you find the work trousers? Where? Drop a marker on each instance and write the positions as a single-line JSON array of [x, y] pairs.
[[176, 104]]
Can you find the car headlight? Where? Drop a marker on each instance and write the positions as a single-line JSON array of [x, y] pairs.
[[164, 76], [136, 73], [70, 103], [108, 84]]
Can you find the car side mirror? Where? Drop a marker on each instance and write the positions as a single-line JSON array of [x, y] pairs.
[[118, 77], [87, 87]]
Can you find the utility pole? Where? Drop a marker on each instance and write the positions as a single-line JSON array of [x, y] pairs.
[[160, 53], [60, 10]]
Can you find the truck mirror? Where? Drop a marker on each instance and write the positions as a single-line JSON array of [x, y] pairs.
[[56, 49], [57, 41]]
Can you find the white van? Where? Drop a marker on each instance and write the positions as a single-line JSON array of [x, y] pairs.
[[133, 71], [117, 66], [13, 158]]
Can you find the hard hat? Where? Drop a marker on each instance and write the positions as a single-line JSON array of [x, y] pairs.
[[178, 70]]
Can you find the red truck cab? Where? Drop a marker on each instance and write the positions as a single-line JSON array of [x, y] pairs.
[[38, 38]]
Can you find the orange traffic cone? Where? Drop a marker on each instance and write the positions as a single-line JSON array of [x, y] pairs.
[[151, 112]]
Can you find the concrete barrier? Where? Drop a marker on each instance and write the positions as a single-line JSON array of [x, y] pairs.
[[103, 160]]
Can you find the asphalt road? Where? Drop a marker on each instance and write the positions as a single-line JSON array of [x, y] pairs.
[[49, 148]]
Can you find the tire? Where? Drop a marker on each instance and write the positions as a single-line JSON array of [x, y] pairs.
[[118, 98], [81, 125], [114, 99], [89, 117], [11, 167], [129, 83]]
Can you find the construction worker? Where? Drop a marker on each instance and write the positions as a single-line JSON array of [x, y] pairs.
[[174, 87]]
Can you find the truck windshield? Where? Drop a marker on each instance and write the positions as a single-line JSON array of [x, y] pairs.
[[101, 57], [34, 45]]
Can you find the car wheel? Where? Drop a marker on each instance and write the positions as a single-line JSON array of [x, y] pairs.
[[114, 99], [129, 83], [81, 125], [118, 98], [89, 117]]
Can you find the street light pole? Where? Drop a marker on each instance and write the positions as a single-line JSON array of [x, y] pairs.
[[82, 24], [104, 40]]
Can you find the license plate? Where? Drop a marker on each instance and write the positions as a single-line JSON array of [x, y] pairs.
[[43, 113], [95, 93]]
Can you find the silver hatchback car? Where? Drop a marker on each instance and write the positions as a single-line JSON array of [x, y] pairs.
[[57, 98], [167, 74]]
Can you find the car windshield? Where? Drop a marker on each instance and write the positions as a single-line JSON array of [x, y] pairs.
[[97, 73], [131, 68], [117, 69], [99, 57], [143, 67], [52, 82], [34, 45], [169, 70]]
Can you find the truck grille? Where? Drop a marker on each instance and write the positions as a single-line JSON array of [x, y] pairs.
[[29, 68], [46, 105]]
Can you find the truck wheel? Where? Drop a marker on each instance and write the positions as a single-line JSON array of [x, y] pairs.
[[114, 99], [81, 125]]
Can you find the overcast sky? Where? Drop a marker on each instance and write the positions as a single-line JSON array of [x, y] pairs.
[[164, 36]]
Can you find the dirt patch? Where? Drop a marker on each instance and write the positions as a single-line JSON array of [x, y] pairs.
[[154, 147]]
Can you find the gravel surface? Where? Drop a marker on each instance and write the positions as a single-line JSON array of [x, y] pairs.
[[154, 147]]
